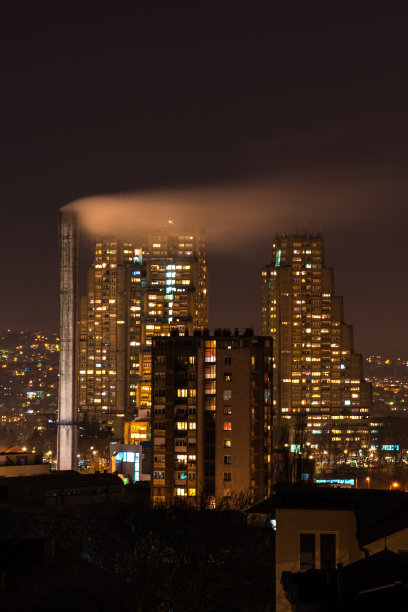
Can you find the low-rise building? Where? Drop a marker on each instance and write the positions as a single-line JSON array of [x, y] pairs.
[[132, 462], [59, 489], [16, 462], [318, 528]]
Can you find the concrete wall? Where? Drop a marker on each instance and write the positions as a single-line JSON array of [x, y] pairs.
[[67, 395], [25, 470]]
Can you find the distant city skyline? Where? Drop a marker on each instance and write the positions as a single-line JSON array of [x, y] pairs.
[[226, 308]]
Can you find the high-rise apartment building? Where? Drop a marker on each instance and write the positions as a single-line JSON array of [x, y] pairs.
[[318, 379], [176, 295], [135, 289], [211, 417]]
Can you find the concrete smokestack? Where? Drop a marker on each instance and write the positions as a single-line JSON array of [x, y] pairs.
[[67, 391]]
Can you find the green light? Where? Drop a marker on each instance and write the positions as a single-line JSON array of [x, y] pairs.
[[278, 259]]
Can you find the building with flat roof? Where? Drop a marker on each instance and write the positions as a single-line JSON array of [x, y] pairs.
[[132, 462], [211, 417], [60, 488], [16, 462]]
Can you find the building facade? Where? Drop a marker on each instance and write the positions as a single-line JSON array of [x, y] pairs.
[[317, 528], [211, 417], [320, 394], [135, 289], [132, 462]]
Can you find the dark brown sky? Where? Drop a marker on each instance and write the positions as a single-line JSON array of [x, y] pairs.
[[307, 98]]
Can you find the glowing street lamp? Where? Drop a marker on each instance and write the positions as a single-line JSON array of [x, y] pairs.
[[368, 482], [394, 486]]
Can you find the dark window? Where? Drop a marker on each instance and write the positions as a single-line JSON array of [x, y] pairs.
[[227, 360], [227, 459], [307, 551], [227, 476], [327, 551]]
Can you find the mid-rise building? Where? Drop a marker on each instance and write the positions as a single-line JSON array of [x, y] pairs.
[[138, 288], [319, 386], [211, 417]]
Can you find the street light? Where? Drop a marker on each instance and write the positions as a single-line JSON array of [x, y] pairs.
[[368, 482], [394, 485]]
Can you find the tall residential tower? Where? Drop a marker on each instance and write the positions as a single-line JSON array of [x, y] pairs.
[[318, 379], [137, 288]]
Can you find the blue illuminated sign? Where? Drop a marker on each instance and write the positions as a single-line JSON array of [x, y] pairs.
[[340, 481]]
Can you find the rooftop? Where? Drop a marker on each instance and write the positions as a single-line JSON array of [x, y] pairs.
[[378, 511]]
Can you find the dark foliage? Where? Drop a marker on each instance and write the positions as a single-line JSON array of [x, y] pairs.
[[178, 559]]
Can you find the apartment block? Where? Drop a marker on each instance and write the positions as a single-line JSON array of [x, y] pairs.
[[146, 286], [211, 417], [319, 386]]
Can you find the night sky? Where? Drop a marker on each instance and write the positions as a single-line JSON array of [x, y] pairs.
[[305, 102]]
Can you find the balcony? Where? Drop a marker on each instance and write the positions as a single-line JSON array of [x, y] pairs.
[[178, 448]]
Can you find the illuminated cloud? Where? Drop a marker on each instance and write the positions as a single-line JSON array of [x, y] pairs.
[[237, 214]]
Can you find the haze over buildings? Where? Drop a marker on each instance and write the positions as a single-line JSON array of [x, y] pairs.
[[157, 283]]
